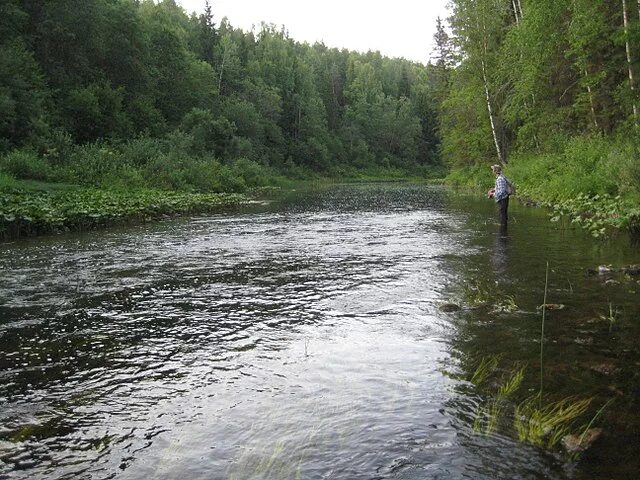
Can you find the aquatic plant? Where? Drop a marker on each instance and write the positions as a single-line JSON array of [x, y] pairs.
[[544, 424], [611, 317], [506, 304], [488, 416], [511, 383], [596, 213], [476, 294], [484, 369], [486, 420]]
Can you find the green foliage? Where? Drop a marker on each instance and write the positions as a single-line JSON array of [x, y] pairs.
[[22, 96], [485, 368], [592, 181], [550, 86], [90, 86], [96, 112], [209, 135], [28, 212], [25, 165]]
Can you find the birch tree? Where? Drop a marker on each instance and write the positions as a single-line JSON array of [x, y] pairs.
[[479, 28], [625, 18]]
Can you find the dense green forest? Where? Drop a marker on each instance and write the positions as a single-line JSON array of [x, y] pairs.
[[139, 93], [548, 87]]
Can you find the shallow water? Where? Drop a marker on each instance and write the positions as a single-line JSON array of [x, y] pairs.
[[305, 339]]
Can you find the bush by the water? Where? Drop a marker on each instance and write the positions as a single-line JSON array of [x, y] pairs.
[[166, 163]]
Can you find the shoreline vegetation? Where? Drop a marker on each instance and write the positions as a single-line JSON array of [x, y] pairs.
[[30, 208], [592, 184], [549, 90]]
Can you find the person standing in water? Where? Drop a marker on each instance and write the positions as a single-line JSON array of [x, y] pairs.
[[500, 193]]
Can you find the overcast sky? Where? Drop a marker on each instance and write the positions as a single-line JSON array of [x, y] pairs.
[[398, 28]]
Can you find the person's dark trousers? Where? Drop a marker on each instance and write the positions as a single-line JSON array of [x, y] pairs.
[[504, 206]]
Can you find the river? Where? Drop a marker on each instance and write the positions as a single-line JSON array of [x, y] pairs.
[[330, 334]]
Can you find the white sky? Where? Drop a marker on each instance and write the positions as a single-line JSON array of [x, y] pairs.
[[399, 28]]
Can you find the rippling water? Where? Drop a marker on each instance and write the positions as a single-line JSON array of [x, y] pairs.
[[304, 340]]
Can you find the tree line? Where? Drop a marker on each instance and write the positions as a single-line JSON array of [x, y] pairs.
[[140, 78], [532, 74]]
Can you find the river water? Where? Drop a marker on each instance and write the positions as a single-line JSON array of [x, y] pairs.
[[315, 337]]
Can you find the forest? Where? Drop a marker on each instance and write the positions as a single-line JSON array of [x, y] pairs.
[[547, 87], [140, 94]]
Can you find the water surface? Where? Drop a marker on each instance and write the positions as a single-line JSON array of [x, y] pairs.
[[306, 339]]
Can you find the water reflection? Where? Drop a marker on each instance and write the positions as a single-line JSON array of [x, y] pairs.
[[499, 257]]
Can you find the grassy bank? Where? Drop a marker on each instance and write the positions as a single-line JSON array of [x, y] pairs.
[[29, 208], [590, 182], [78, 187]]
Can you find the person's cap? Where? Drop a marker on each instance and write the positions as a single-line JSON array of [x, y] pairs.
[[496, 168]]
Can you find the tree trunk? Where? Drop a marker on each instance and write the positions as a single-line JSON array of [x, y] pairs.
[[522, 13], [494, 131], [625, 18], [515, 11], [490, 109], [593, 108]]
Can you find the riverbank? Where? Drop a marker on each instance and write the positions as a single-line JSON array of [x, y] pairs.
[[591, 184], [95, 186], [32, 208]]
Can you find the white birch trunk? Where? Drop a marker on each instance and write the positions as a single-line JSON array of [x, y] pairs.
[[515, 11], [494, 132], [490, 109], [591, 103], [625, 18]]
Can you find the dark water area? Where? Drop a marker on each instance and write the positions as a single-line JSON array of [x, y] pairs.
[[307, 338]]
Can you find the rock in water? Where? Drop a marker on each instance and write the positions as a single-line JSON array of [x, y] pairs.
[[552, 306], [449, 307], [573, 444]]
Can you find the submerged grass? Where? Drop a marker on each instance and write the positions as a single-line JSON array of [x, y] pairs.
[[484, 369], [544, 424], [489, 415], [511, 383]]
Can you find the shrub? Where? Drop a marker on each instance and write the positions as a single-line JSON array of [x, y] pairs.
[[25, 165]]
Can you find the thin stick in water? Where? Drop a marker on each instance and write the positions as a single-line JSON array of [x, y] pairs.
[[544, 309]]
